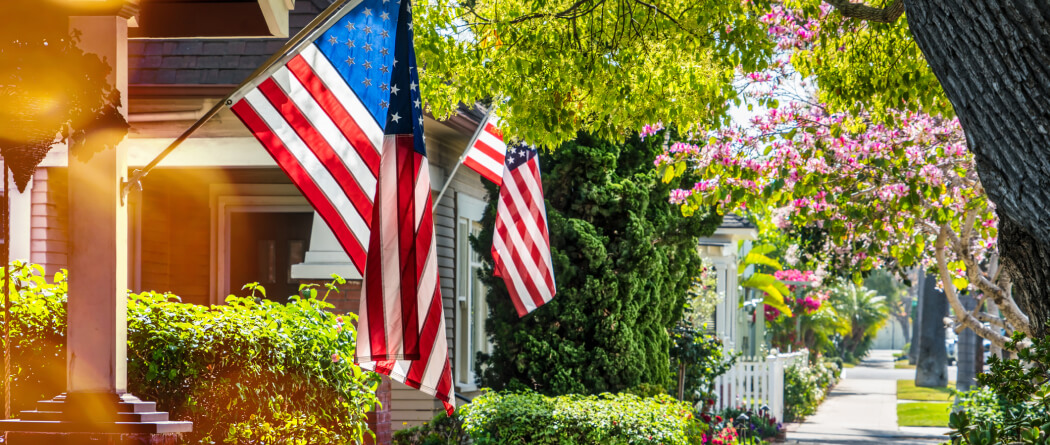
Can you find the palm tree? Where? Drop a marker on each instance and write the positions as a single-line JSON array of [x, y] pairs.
[[864, 311]]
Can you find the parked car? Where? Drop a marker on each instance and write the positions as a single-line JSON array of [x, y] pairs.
[[950, 343]]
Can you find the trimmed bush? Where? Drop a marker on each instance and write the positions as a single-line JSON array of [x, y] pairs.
[[251, 371], [806, 386], [532, 418], [526, 417]]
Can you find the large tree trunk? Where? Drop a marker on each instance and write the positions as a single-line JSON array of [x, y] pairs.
[[993, 60], [966, 351], [932, 369], [916, 319]]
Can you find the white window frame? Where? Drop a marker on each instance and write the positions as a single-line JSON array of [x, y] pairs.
[[226, 199], [471, 310]]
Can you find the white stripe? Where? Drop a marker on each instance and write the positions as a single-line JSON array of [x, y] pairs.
[[324, 125], [335, 83], [390, 264], [318, 173], [427, 286], [421, 195], [493, 141], [513, 275], [534, 183], [492, 165], [524, 256], [438, 357], [524, 207]]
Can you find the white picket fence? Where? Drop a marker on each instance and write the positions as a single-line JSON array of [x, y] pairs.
[[755, 383]]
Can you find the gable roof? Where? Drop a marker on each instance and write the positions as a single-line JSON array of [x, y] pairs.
[[209, 61]]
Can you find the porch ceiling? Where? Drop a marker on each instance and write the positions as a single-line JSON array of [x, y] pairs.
[[212, 18]]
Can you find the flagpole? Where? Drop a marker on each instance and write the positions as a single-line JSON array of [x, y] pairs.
[[304, 35], [463, 157]]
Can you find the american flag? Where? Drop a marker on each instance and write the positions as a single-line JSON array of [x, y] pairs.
[[487, 153], [343, 118], [521, 244]]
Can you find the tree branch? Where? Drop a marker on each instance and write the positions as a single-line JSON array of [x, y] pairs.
[[962, 316], [888, 14]]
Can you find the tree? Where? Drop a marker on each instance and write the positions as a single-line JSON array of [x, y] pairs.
[[932, 367], [624, 260], [985, 63], [865, 312]]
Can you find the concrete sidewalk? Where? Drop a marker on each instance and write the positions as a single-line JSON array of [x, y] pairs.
[[862, 409]]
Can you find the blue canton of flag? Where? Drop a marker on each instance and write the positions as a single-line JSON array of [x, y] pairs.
[[344, 119]]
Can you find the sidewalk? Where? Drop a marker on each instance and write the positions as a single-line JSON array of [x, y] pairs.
[[862, 409]]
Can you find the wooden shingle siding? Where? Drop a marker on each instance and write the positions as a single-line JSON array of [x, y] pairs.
[[49, 244]]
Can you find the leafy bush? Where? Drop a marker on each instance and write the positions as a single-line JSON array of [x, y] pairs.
[[701, 355], [806, 386], [1013, 403], [752, 424], [250, 371], [527, 417], [442, 430]]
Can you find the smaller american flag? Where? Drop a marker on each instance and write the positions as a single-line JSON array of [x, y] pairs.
[[521, 244], [487, 153]]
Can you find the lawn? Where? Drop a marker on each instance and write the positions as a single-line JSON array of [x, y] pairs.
[[923, 413], [906, 390], [903, 364]]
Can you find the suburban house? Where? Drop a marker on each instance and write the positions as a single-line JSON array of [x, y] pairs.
[[219, 213]]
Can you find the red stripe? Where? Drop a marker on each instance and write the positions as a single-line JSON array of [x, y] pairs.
[[489, 128], [320, 147], [342, 118], [490, 152], [483, 171], [431, 324], [373, 276], [406, 231], [302, 180], [534, 168]]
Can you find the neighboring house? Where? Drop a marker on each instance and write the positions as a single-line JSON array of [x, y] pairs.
[[219, 213], [721, 249]]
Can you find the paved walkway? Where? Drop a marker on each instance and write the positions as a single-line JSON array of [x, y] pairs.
[[862, 409]]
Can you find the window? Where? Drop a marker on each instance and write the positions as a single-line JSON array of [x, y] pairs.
[[471, 309]]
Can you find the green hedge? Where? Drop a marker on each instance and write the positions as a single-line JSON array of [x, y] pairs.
[[526, 417], [251, 371], [806, 386]]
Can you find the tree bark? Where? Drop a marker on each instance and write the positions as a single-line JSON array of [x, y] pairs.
[[932, 368], [916, 319], [993, 60]]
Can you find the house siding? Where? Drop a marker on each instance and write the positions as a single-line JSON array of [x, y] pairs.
[[49, 245]]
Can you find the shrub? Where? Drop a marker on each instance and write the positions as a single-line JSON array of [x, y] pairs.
[[701, 355], [806, 386], [250, 371], [527, 417], [751, 424], [442, 430]]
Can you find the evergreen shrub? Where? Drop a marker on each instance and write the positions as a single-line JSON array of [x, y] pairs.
[[250, 371], [806, 386], [532, 418]]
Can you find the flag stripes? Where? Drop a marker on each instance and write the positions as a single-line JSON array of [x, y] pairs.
[[521, 244], [321, 135], [488, 152]]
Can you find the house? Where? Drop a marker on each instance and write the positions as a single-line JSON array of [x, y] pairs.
[[722, 249], [219, 213]]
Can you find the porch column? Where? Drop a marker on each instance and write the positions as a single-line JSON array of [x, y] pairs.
[[98, 235]]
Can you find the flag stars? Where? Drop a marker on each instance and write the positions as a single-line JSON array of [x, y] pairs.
[[383, 87], [395, 118], [368, 47], [384, 51], [413, 85], [368, 64], [367, 82], [384, 69], [367, 12], [393, 88], [384, 34], [417, 102], [350, 44], [350, 26], [333, 40], [368, 30], [350, 61], [383, 104], [385, 15]]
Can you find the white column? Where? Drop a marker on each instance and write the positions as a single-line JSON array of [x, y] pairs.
[[325, 256], [98, 235], [21, 220]]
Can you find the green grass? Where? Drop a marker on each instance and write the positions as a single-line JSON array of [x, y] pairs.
[[903, 364], [923, 414], [906, 390], [849, 365]]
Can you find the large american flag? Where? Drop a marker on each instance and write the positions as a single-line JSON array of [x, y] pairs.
[[521, 244], [488, 152], [343, 118]]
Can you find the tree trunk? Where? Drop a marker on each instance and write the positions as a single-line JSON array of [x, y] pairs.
[[993, 60], [966, 350], [932, 368], [916, 319]]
